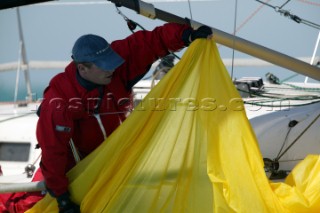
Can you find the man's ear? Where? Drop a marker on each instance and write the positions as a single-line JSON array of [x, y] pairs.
[[82, 69]]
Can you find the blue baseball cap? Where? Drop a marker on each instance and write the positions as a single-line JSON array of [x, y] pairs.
[[95, 49]]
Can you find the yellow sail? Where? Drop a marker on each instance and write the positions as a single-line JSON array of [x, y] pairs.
[[188, 147]]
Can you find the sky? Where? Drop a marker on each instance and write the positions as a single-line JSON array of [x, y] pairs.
[[50, 30]]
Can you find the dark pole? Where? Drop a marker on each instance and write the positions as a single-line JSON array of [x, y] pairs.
[[226, 39]]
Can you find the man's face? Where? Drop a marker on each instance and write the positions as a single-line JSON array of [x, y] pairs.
[[95, 75]]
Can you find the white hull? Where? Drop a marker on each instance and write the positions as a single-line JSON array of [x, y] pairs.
[[18, 141], [273, 131]]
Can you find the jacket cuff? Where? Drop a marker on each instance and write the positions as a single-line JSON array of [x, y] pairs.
[[56, 195], [186, 36], [63, 200]]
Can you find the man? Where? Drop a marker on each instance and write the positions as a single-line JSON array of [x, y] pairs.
[[85, 104]]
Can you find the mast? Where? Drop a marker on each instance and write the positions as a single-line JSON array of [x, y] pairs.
[[314, 54], [226, 39], [24, 60]]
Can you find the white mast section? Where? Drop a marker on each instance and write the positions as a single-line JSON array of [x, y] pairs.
[[314, 54], [24, 58], [16, 89]]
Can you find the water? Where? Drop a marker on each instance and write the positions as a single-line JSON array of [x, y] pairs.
[[39, 81], [41, 78]]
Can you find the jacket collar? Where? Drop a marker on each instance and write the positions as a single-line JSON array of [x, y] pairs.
[[85, 83]]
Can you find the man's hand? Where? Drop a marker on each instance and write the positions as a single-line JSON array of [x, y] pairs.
[[66, 205], [189, 35], [201, 32]]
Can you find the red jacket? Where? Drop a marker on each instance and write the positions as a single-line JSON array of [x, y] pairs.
[[19, 202], [67, 109]]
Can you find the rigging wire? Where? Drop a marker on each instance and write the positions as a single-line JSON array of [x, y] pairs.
[[255, 12], [265, 3], [293, 17], [190, 11], [291, 125], [250, 17], [284, 4], [132, 26], [234, 33], [299, 136]]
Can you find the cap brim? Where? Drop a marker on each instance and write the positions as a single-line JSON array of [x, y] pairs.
[[109, 61]]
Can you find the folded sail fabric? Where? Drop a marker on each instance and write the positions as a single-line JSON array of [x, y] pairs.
[[188, 147]]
